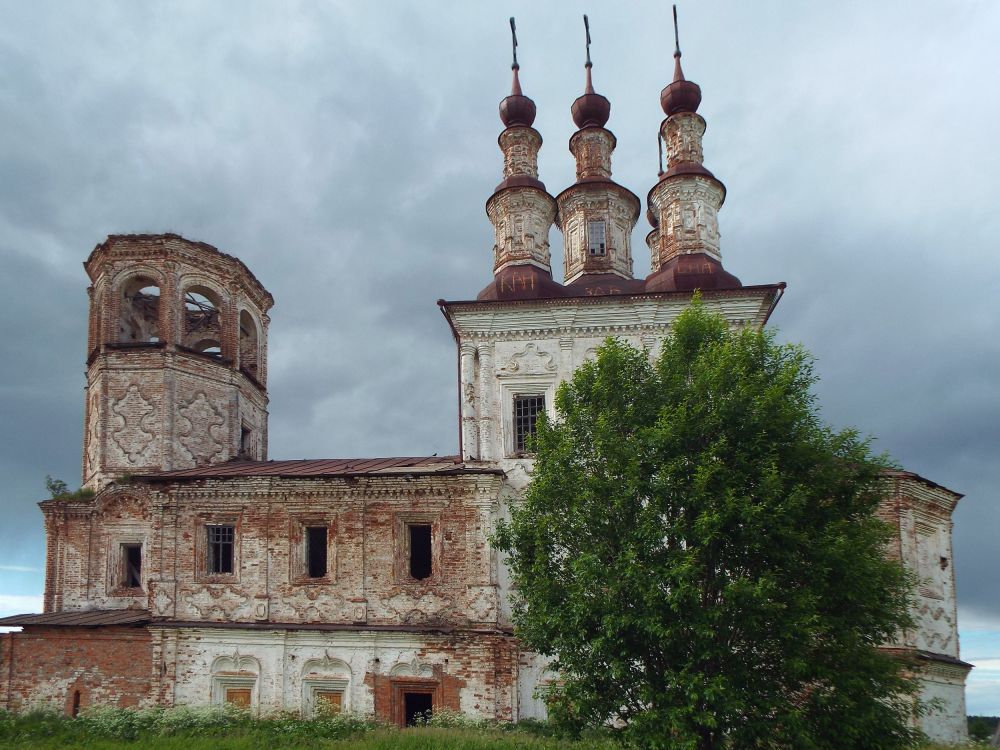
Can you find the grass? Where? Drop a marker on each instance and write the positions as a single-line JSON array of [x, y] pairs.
[[232, 729]]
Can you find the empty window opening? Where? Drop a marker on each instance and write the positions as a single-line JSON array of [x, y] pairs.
[[75, 706], [596, 237], [526, 411], [316, 551], [220, 549], [132, 566], [328, 701], [417, 707], [246, 442], [139, 321], [238, 696], [248, 343], [202, 323], [420, 551]]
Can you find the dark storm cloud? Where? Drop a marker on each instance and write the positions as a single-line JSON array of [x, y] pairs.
[[344, 151]]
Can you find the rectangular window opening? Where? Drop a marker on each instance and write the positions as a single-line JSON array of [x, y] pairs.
[[132, 566], [420, 551], [526, 411], [316, 551], [220, 549], [596, 237], [246, 435]]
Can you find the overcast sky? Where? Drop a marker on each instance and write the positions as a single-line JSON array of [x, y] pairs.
[[344, 151]]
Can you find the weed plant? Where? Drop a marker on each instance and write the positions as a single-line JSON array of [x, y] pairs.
[[229, 728]]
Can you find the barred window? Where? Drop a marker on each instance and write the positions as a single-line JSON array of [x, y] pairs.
[[596, 237], [220, 548], [526, 411]]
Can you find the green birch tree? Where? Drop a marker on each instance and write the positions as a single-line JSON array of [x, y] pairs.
[[700, 555]]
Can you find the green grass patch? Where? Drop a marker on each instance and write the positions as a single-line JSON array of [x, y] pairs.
[[225, 728], [232, 729]]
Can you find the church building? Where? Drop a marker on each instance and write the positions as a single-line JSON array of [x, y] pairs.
[[197, 571]]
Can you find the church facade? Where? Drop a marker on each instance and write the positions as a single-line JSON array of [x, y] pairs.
[[196, 571]]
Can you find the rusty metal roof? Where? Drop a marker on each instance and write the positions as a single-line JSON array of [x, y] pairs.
[[327, 467], [87, 619]]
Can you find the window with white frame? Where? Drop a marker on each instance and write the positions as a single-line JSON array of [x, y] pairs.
[[325, 686], [597, 237], [234, 680]]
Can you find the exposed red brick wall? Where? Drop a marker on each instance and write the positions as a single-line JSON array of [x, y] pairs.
[[108, 666], [5, 640], [367, 581], [485, 661]]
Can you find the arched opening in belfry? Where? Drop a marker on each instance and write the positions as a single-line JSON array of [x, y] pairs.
[[249, 344], [139, 321], [202, 321]]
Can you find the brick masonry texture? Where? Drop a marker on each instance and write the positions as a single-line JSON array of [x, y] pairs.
[[105, 666], [176, 379]]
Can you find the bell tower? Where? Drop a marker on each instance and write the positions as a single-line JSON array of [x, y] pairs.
[[684, 204], [596, 214], [520, 209], [177, 358]]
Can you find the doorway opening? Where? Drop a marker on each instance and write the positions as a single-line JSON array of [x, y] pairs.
[[417, 706]]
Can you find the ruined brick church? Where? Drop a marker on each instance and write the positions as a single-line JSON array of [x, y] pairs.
[[200, 572]]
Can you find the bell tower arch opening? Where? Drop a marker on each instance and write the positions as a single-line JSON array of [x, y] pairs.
[[202, 324], [249, 345], [139, 311]]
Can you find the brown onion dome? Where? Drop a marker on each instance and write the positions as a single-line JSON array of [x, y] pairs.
[[517, 109], [591, 109], [680, 95]]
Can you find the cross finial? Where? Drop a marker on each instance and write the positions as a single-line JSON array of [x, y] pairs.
[[513, 39], [677, 38], [586, 27]]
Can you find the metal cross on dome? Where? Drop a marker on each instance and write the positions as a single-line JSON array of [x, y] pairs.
[[513, 39]]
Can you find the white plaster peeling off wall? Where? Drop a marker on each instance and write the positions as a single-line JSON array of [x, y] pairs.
[[282, 657]]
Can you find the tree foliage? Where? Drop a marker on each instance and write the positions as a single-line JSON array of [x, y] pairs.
[[56, 487], [700, 556]]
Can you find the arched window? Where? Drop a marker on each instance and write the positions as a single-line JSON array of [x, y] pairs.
[[325, 684], [234, 680], [202, 321], [139, 321], [249, 347]]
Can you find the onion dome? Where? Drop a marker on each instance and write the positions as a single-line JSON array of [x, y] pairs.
[[591, 109], [517, 109], [680, 95]]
